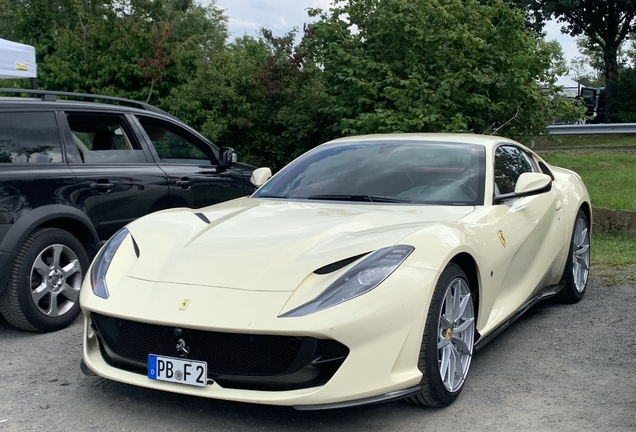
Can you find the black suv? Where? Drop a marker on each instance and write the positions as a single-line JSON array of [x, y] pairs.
[[72, 173]]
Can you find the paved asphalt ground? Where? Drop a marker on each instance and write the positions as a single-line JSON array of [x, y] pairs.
[[559, 368]]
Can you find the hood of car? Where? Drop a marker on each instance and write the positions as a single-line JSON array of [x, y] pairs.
[[269, 245]]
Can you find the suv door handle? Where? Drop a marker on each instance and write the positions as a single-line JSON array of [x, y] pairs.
[[102, 186], [184, 182]]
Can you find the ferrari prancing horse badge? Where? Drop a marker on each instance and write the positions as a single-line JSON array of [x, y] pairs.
[[502, 238]]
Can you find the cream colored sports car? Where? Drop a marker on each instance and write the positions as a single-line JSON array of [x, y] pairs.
[[368, 269]]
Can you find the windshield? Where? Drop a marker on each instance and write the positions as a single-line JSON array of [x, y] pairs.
[[384, 171]]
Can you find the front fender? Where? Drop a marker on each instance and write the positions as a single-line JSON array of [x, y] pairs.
[[42, 216]]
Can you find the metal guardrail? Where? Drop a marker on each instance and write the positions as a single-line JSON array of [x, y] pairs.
[[593, 129]]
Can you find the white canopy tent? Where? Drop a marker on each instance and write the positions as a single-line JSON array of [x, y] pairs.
[[17, 60], [571, 88]]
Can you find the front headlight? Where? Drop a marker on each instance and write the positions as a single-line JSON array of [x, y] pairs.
[[360, 279], [102, 262]]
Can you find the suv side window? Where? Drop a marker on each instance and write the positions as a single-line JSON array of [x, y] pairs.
[[29, 138], [510, 163], [104, 139], [174, 146]]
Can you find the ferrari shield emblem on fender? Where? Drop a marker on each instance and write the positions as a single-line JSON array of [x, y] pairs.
[[184, 304], [502, 238]]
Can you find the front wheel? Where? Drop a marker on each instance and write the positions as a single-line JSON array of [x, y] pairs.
[[577, 266], [447, 344], [42, 293]]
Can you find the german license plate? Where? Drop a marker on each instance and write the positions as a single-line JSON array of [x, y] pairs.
[[177, 370]]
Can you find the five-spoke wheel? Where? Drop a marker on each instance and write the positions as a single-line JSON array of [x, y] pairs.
[[42, 292]]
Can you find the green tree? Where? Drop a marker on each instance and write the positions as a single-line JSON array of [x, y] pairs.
[[606, 23], [139, 49], [622, 105], [257, 96], [435, 66]]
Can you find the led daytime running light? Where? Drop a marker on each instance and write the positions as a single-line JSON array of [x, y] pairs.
[[360, 279], [102, 262]]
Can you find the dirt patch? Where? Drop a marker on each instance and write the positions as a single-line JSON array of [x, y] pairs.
[[559, 368]]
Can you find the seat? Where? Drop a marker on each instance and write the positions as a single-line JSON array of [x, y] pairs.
[[104, 140]]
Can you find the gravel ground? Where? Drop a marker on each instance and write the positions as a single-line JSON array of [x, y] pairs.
[[565, 368]]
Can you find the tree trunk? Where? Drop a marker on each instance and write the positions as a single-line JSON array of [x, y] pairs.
[[611, 64]]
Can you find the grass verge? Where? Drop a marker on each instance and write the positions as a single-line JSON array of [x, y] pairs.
[[614, 259], [613, 250], [555, 141], [610, 176]]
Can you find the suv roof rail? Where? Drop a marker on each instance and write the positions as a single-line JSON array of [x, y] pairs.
[[50, 96]]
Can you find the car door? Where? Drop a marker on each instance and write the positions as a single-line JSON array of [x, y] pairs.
[[535, 234], [33, 171], [191, 164], [117, 178]]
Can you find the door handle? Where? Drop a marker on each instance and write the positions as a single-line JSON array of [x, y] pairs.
[[559, 205], [101, 186], [184, 182]]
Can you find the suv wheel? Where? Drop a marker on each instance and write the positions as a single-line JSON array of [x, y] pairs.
[[43, 289]]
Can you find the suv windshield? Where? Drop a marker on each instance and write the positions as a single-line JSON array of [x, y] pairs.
[[385, 171]]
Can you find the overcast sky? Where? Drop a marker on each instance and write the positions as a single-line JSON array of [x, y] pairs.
[[280, 16]]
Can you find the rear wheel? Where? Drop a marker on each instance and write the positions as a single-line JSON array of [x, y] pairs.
[[447, 345], [43, 288], [577, 267]]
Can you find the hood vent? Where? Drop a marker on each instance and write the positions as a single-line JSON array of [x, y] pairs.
[[135, 246], [202, 217], [330, 268]]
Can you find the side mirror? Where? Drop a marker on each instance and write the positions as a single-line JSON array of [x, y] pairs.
[[227, 157], [530, 182], [260, 176]]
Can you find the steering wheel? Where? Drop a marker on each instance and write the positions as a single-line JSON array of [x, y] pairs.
[[461, 185]]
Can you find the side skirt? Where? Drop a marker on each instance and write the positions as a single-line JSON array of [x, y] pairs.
[[545, 293]]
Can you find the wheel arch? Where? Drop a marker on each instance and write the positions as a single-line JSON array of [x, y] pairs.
[[587, 209], [63, 217], [469, 266]]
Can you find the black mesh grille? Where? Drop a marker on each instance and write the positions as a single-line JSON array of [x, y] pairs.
[[227, 354], [331, 349]]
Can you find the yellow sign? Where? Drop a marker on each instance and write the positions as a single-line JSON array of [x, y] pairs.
[[22, 67], [502, 238], [184, 304]]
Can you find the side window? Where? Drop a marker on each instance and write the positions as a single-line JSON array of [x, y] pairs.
[[174, 146], [103, 138], [510, 163], [29, 138]]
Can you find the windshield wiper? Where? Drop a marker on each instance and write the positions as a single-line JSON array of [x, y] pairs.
[[364, 198], [271, 196]]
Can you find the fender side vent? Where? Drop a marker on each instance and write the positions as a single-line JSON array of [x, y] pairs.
[[330, 268]]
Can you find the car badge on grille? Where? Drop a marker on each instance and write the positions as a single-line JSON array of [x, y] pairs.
[[184, 304], [182, 348]]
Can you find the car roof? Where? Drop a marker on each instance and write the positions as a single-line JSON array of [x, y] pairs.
[[45, 99], [462, 138]]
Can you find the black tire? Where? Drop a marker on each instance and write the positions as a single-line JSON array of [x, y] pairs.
[[434, 393], [574, 284], [18, 304]]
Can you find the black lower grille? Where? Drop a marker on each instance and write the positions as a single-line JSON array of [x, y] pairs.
[[252, 361]]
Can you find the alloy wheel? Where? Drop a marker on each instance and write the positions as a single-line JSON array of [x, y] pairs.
[[581, 254], [456, 334], [56, 278]]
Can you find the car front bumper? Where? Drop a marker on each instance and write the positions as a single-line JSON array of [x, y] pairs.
[[382, 331]]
